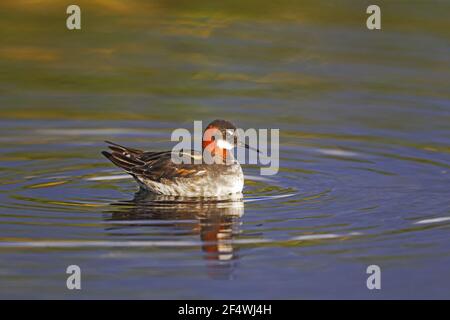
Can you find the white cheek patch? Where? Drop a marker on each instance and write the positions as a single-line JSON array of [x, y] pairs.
[[223, 144]]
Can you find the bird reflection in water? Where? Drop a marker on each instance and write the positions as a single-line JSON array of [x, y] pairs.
[[215, 221]]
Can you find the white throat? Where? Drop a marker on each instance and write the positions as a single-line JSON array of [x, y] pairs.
[[223, 144]]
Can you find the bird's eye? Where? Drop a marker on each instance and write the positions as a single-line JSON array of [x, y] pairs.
[[213, 138]]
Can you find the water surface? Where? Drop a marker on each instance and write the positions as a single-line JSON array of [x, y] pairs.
[[364, 121]]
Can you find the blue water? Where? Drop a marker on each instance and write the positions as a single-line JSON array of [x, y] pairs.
[[364, 178]]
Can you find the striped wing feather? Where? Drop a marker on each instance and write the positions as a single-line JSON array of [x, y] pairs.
[[150, 165]]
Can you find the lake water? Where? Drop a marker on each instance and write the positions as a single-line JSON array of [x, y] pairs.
[[364, 119]]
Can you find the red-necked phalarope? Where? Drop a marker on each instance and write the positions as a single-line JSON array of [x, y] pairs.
[[156, 172]]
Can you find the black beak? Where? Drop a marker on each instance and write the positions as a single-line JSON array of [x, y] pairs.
[[246, 146]]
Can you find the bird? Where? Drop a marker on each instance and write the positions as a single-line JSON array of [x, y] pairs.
[[156, 172]]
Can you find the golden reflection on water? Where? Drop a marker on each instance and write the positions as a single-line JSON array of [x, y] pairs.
[[185, 49]]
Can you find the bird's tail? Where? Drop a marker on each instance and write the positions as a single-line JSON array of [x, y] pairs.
[[123, 157]]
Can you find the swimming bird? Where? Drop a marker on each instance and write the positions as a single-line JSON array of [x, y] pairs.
[[158, 173]]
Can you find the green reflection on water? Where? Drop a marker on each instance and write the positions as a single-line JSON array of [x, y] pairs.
[[169, 51]]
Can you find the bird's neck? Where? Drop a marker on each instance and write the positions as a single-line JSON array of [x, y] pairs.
[[215, 151]]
